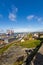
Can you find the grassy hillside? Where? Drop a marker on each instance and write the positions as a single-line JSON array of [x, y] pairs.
[[29, 43]]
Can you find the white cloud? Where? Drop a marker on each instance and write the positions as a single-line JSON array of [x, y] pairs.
[[13, 13], [12, 16], [30, 17], [36, 18]]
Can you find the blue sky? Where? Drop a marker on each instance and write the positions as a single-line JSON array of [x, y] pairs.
[[21, 15]]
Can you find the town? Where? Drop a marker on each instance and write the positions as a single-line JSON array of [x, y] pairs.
[[17, 43]]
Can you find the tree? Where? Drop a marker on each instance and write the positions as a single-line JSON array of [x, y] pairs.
[[30, 35]]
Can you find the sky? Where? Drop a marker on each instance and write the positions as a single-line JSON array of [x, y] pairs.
[[21, 15]]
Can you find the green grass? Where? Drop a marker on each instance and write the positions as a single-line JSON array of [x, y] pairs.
[[30, 43], [26, 44], [5, 48]]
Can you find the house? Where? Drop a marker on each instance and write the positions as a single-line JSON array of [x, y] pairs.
[[36, 35], [1, 42], [22, 40]]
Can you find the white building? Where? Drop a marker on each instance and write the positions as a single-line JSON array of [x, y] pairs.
[[6, 41], [22, 40], [36, 35]]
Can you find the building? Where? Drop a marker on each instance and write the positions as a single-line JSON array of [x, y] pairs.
[[10, 32], [22, 40], [36, 35], [1, 41]]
